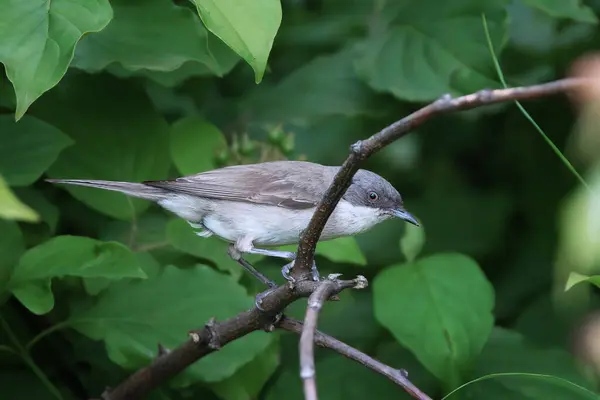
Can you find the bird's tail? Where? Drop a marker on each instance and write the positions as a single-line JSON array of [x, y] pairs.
[[129, 188]]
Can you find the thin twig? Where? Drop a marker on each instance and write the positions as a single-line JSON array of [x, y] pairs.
[[398, 376], [362, 150], [307, 353]]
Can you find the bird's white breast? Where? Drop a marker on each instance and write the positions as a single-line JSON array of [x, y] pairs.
[[268, 225]]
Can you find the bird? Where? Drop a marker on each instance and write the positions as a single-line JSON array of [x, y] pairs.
[[266, 204]]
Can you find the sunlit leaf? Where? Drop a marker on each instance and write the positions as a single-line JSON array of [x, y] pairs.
[[249, 28], [12, 208], [39, 38]]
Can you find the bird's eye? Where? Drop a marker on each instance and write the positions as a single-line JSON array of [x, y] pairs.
[[373, 196]]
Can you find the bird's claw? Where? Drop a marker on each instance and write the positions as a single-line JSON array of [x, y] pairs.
[[285, 271], [261, 296]]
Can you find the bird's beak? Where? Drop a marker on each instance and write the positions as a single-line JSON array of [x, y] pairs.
[[404, 215]]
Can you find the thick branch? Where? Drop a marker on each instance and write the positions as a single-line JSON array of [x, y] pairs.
[[398, 376], [307, 353], [215, 335], [362, 150]]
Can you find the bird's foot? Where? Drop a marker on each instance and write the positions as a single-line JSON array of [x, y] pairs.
[[261, 296], [285, 271]]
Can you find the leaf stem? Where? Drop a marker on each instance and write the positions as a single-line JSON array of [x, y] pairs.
[[555, 149], [46, 332], [21, 351]]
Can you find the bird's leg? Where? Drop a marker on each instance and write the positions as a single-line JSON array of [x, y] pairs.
[[245, 245], [237, 256]]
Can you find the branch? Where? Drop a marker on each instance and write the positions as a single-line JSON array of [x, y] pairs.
[[364, 149], [307, 354], [215, 335], [398, 376]]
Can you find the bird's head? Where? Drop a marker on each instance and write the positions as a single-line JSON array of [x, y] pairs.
[[371, 190]]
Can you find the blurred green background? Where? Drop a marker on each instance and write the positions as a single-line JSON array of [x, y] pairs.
[[92, 281]]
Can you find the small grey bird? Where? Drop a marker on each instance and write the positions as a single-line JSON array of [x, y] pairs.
[[266, 204]]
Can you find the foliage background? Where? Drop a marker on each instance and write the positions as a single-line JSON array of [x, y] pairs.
[[130, 90]]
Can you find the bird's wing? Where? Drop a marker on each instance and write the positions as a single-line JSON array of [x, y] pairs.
[[275, 184]]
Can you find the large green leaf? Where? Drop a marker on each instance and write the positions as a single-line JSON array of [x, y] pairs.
[[508, 352], [325, 86], [116, 138], [68, 256], [194, 145], [248, 381], [427, 48], [181, 235], [573, 9], [151, 35], [249, 28], [39, 38], [439, 307], [131, 317], [28, 148], [13, 209]]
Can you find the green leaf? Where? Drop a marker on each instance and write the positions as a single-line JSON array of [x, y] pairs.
[[29, 147], [412, 241], [11, 208], [194, 145], [249, 28], [125, 40], [573, 9], [150, 267], [426, 307], [181, 236], [36, 296], [509, 354], [429, 48], [77, 256], [12, 246], [325, 86], [39, 38], [118, 138], [576, 278], [131, 317], [248, 381], [68, 256]]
